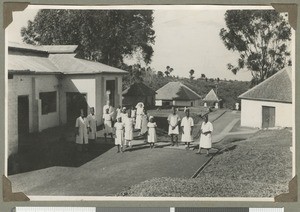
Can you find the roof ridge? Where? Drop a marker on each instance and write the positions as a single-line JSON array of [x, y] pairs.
[[263, 82], [190, 90]]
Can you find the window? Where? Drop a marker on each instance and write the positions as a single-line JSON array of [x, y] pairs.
[[48, 102]]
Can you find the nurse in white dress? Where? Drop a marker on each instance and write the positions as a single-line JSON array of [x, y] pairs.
[[81, 131], [205, 138], [152, 138], [128, 129], [139, 114], [92, 134], [119, 132], [173, 120], [187, 125]]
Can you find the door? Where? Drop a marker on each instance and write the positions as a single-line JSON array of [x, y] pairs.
[[268, 117], [23, 116], [111, 86], [75, 102]]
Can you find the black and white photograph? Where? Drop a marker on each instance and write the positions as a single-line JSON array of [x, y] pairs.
[[147, 102]]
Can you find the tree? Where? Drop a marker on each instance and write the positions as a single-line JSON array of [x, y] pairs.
[[106, 36], [191, 74], [168, 71], [261, 37], [160, 74]]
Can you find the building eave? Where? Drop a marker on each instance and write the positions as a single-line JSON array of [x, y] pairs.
[[266, 100]]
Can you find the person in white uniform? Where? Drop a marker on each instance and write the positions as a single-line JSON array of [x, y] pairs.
[[139, 114], [205, 138], [109, 107], [152, 138], [92, 134], [81, 131], [119, 132], [128, 130], [173, 120], [187, 125], [107, 119], [124, 115], [133, 113]]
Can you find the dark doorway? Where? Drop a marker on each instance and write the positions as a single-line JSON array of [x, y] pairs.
[[23, 117], [268, 117], [111, 86], [75, 102]]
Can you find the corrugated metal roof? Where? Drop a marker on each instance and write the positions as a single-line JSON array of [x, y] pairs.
[[25, 46], [45, 62], [68, 64], [138, 89], [44, 48], [176, 91], [211, 96], [54, 49], [277, 88], [29, 63]]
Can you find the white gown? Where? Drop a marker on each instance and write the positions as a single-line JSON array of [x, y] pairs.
[[93, 126], [129, 129], [107, 123], [119, 140], [82, 124], [187, 124], [152, 138], [138, 121], [173, 119], [205, 140]]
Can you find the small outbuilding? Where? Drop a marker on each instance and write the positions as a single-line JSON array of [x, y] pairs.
[[211, 99], [177, 94], [269, 104], [139, 92]]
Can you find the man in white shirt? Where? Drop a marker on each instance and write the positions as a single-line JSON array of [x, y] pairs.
[[173, 120], [187, 125]]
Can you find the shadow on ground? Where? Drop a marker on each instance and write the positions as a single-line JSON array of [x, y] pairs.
[[53, 147]]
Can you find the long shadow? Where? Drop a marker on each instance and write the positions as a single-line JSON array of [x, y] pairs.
[[57, 150]]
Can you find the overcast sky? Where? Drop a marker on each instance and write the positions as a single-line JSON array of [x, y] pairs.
[[185, 39]]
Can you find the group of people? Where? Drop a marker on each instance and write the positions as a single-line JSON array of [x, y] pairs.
[[187, 126], [123, 122]]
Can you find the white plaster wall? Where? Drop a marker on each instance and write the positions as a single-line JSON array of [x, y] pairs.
[[83, 84], [251, 113], [47, 83], [158, 102], [183, 103]]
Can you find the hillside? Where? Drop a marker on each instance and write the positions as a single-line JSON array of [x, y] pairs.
[[227, 90]]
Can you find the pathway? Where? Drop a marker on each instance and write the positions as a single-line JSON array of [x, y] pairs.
[[111, 173]]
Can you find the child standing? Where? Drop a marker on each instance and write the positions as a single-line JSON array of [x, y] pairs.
[[128, 129], [152, 132], [119, 131]]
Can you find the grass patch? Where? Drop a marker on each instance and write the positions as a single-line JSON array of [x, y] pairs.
[[260, 166]]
